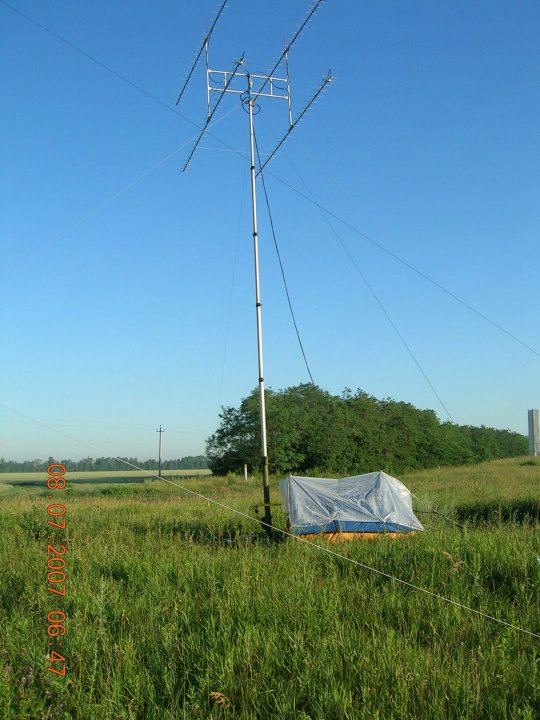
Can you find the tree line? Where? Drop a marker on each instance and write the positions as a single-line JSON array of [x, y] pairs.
[[189, 462], [311, 430]]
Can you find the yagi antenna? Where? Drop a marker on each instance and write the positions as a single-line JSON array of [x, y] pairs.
[[203, 46], [284, 54], [252, 87], [326, 81]]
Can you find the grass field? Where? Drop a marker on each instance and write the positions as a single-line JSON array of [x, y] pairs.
[[177, 608]]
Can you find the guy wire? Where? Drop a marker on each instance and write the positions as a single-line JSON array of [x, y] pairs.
[[281, 264], [374, 294]]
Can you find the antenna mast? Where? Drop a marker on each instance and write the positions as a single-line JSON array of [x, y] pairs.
[[251, 87]]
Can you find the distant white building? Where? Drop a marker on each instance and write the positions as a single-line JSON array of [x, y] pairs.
[[534, 433]]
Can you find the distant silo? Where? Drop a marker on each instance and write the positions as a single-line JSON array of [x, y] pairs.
[[534, 433]]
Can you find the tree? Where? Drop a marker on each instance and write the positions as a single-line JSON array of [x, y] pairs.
[[310, 429]]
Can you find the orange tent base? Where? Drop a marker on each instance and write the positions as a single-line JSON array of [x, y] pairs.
[[335, 537]]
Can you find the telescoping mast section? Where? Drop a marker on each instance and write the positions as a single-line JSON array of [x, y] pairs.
[[251, 88]]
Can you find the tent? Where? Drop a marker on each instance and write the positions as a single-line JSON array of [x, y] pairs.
[[362, 505]]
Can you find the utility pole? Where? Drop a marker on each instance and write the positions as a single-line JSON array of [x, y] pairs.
[[160, 431], [252, 87], [534, 433]]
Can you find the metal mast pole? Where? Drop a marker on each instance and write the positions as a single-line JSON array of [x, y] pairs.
[[258, 86], [160, 431], [258, 306]]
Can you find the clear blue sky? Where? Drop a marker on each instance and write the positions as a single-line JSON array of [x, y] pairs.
[[127, 287]]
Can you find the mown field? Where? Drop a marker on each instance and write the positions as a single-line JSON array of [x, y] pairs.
[[177, 608], [14, 481]]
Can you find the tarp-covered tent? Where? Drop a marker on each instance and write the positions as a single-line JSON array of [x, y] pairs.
[[367, 504]]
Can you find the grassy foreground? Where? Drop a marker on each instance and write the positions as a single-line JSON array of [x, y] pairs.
[[177, 608]]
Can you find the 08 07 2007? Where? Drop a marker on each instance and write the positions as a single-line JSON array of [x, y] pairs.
[[56, 567]]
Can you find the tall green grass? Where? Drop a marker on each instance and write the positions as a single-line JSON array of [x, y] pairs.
[[179, 609]]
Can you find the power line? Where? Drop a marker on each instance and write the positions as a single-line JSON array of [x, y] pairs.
[[298, 538], [281, 265]]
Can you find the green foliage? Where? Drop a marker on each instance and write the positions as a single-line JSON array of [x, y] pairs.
[[190, 462], [310, 428]]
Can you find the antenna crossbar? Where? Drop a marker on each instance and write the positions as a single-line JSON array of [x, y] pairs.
[[223, 80]]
